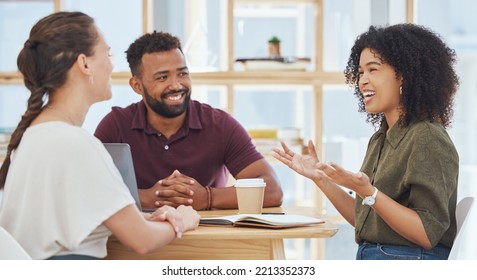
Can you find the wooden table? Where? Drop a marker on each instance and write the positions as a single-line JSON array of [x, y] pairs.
[[230, 243]]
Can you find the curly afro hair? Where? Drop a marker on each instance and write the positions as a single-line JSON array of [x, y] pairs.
[[150, 43], [422, 60]]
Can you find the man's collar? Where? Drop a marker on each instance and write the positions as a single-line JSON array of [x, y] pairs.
[[193, 118], [139, 120]]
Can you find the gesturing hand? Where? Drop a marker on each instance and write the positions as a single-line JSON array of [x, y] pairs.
[[357, 182], [305, 165]]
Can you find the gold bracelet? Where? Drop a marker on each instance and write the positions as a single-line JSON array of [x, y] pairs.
[[209, 198]]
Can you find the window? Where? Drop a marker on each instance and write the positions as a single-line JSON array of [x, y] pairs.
[[456, 23], [315, 101]]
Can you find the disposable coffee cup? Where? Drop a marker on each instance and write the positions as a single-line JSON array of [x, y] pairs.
[[250, 195]]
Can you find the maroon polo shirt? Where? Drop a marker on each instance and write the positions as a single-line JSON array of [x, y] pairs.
[[209, 144]]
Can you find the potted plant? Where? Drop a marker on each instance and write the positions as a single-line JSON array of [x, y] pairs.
[[274, 47]]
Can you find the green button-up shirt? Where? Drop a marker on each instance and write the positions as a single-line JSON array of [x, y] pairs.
[[418, 167]]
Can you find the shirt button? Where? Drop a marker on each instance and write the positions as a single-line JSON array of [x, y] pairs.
[[159, 134], [166, 147]]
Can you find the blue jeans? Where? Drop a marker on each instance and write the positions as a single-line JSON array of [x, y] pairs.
[[376, 251]]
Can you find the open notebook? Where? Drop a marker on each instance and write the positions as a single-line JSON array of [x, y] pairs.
[[262, 220]]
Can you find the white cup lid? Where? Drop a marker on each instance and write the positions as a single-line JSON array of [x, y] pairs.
[[250, 182]]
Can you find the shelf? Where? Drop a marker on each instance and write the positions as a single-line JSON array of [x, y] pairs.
[[236, 77], [268, 77]]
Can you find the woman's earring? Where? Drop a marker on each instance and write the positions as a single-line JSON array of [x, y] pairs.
[[400, 90]]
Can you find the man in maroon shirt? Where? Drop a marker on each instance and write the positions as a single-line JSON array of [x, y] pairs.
[[182, 150]]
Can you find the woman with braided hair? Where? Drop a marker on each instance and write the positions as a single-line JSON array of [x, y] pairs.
[[63, 195]]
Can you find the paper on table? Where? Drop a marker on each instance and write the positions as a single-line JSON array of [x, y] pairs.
[[259, 220]]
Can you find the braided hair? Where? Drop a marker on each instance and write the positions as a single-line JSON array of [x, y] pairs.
[[54, 44]]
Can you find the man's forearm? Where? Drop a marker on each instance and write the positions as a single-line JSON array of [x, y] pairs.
[[224, 198]]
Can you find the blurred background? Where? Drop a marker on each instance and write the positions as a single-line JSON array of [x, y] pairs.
[[303, 99]]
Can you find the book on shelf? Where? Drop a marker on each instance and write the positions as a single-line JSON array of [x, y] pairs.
[[275, 221], [266, 139], [278, 63], [263, 133]]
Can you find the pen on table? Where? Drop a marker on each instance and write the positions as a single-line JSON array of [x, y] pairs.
[[272, 213]]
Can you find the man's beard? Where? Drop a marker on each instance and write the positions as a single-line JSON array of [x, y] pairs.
[[165, 110]]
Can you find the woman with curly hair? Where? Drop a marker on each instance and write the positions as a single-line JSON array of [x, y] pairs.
[[406, 189]]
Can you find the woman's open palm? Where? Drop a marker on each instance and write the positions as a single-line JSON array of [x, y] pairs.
[[305, 165]]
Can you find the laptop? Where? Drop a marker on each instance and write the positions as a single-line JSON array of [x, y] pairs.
[[121, 154]]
